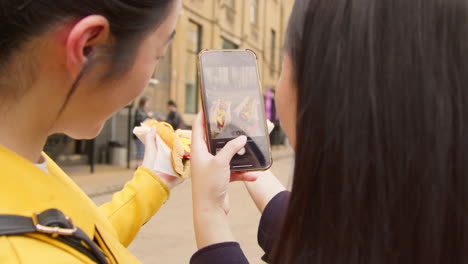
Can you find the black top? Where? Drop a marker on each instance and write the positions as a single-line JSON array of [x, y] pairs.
[[140, 116], [175, 120], [268, 232]]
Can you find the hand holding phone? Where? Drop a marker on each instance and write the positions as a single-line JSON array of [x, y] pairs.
[[210, 180], [233, 106]]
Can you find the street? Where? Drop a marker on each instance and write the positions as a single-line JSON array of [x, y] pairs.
[[169, 236]]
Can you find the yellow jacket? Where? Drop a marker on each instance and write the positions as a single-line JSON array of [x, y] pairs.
[[25, 189]]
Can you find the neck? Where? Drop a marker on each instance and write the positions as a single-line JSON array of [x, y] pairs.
[[28, 118], [20, 135], [25, 127]]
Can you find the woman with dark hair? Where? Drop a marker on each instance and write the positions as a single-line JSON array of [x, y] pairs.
[[141, 114], [379, 131], [66, 66]]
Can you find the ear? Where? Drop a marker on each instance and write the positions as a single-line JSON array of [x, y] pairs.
[[82, 40]]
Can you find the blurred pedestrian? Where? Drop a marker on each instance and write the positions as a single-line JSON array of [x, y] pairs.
[[141, 114], [174, 118]]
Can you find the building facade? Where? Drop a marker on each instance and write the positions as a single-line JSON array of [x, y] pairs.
[[259, 25]]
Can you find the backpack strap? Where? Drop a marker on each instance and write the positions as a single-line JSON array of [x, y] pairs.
[[54, 223]]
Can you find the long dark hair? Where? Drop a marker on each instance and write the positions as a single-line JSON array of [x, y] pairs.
[[142, 102], [130, 21], [381, 172]]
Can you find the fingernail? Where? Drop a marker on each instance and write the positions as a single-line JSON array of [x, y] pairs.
[[243, 139], [153, 130]]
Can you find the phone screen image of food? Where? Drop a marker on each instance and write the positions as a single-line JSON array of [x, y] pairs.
[[233, 108]]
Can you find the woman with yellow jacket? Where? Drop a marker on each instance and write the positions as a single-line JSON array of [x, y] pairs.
[[65, 67]]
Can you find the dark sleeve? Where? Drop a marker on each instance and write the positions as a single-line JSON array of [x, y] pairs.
[[140, 117], [179, 121], [268, 234], [222, 253], [171, 120], [271, 222]]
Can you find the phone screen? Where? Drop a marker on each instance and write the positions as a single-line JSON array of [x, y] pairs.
[[234, 106]]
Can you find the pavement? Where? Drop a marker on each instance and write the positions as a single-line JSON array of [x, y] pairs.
[[169, 236], [109, 179]]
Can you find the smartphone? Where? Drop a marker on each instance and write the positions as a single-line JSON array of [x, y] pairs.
[[233, 106]]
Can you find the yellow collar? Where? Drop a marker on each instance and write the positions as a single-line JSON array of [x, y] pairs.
[[26, 189]]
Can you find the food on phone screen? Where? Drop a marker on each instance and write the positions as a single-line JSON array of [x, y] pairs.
[[247, 113], [220, 116], [247, 110]]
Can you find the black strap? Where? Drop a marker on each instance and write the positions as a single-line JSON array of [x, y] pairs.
[[56, 224]]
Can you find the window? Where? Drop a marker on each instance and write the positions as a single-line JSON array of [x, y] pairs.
[[227, 44], [194, 33], [273, 50], [254, 12]]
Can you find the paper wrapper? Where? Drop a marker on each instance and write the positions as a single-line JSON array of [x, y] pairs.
[[163, 162], [270, 126], [173, 148]]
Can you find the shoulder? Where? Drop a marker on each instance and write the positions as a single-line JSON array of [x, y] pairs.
[[9, 252], [25, 250]]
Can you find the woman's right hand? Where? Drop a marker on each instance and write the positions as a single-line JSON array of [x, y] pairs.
[[211, 174], [151, 155], [210, 179]]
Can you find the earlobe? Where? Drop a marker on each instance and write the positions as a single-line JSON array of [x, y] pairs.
[[82, 39]]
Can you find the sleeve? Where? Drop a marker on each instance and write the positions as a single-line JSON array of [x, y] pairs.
[[133, 206], [140, 117], [8, 253], [271, 222], [222, 253], [268, 233], [170, 119], [180, 121]]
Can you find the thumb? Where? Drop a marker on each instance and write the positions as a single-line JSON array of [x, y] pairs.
[[226, 205], [231, 148], [198, 135]]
